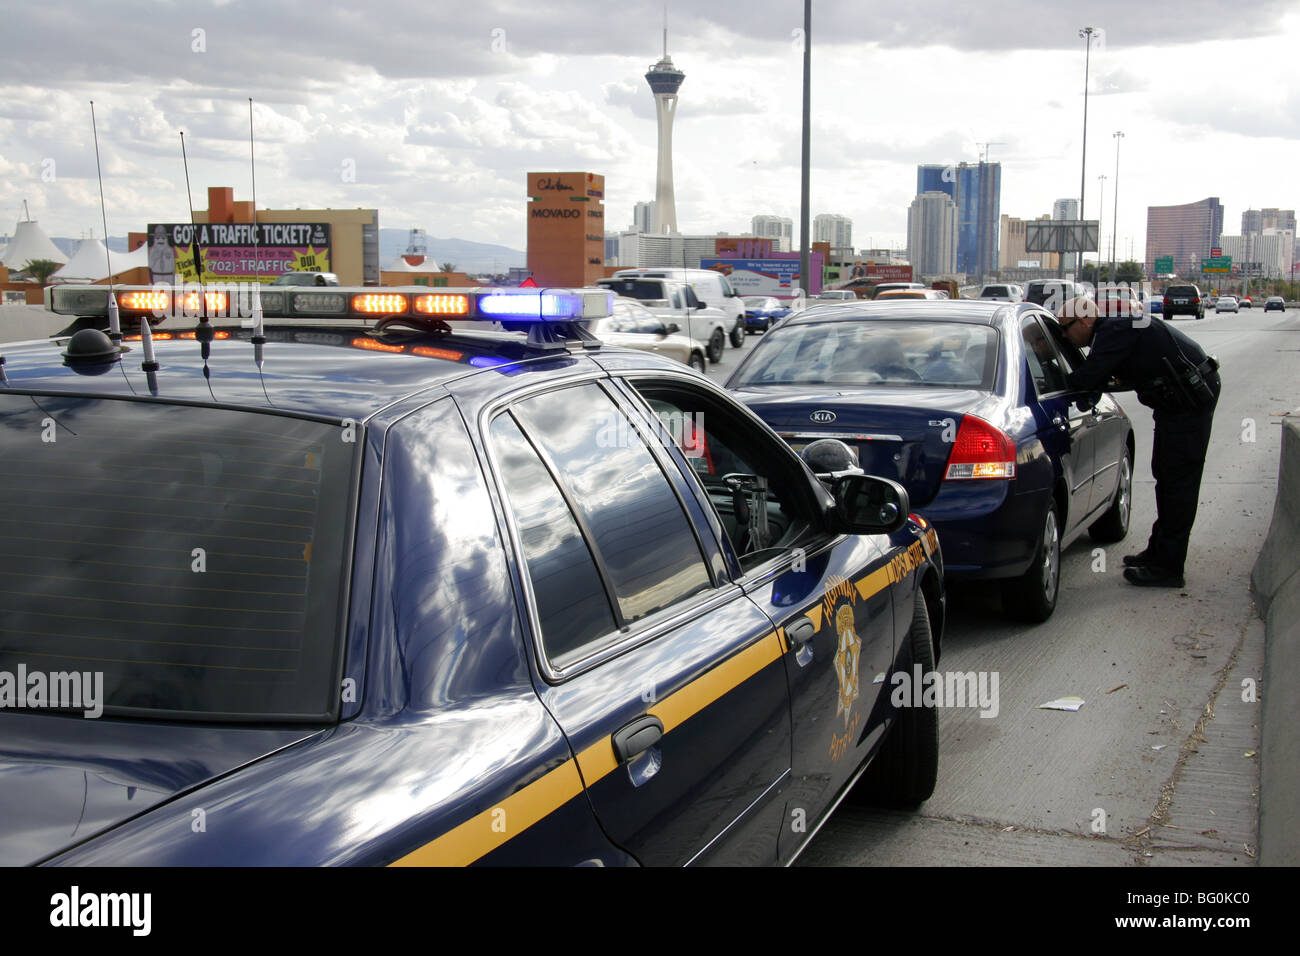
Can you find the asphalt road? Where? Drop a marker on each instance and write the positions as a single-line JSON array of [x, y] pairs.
[[1160, 766]]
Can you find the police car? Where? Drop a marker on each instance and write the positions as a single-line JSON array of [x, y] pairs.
[[429, 577]]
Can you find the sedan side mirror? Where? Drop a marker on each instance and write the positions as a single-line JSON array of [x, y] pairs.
[[866, 504], [672, 328]]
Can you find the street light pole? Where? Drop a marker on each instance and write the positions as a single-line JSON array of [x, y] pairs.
[[805, 281], [1114, 219], [1101, 208], [1087, 33]]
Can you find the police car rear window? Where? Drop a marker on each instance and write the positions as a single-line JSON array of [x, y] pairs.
[[193, 556]]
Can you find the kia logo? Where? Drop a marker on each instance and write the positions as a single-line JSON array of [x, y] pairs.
[[822, 416]]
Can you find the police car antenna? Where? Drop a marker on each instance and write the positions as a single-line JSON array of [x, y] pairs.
[[259, 334], [114, 322], [198, 252]]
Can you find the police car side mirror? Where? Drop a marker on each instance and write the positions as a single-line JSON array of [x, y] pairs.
[[865, 504]]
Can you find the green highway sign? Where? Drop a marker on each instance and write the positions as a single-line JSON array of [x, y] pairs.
[[1164, 264], [1217, 264]]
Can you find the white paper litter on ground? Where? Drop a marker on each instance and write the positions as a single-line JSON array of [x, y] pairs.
[[1063, 703]]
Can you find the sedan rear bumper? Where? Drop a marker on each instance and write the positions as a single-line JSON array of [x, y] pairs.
[[987, 529]]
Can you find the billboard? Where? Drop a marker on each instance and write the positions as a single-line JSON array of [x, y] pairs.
[[776, 277], [884, 273], [1061, 235], [237, 251]]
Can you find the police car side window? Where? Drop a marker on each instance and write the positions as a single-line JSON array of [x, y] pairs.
[[572, 607], [641, 537], [1044, 360]]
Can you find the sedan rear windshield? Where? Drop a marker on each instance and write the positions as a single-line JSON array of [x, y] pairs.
[[1181, 290], [871, 353], [192, 556]]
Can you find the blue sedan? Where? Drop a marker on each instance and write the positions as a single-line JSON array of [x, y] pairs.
[[763, 311], [360, 587], [965, 404]]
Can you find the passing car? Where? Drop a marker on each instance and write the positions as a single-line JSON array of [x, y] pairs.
[[711, 287], [1154, 304], [838, 295], [1247, 302], [762, 310], [306, 278], [1226, 303], [1119, 301], [675, 301], [1052, 294], [1002, 292], [1183, 300], [1275, 303], [964, 403], [631, 325], [891, 295], [364, 587]]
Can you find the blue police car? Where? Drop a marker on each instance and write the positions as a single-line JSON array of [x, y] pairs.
[[965, 403], [430, 577]]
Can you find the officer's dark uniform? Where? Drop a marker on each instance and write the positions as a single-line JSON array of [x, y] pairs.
[[1133, 351]]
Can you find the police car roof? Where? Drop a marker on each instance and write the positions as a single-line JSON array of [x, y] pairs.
[[335, 372], [979, 311]]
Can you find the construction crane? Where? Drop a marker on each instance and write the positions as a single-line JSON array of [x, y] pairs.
[[984, 151]]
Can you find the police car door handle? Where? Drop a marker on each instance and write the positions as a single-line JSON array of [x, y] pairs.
[[799, 632], [636, 737]]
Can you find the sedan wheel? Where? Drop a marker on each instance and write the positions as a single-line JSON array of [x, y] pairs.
[[1032, 596], [1113, 525], [697, 362]]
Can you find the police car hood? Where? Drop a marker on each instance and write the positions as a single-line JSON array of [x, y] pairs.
[[66, 779]]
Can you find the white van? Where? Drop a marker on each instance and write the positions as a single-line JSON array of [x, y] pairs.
[[675, 301], [711, 288]]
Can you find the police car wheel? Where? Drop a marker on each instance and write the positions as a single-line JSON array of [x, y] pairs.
[[738, 334], [1032, 596], [1113, 525], [717, 342], [697, 362], [905, 769]]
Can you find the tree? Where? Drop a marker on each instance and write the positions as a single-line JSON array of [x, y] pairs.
[[448, 267], [40, 270], [1130, 271]]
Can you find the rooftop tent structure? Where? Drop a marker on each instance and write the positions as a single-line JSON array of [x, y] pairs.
[[30, 242], [90, 262]]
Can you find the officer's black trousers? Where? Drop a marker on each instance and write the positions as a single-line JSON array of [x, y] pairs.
[[1177, 460]]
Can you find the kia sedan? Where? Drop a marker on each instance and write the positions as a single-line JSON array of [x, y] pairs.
[[964, 403]]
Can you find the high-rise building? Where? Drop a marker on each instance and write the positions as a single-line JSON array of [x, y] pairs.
[[1011, 246], [837, 230], [976, 188], [1257, 220], [777, 228], [1186, 232], [1067, 209], [643, 217], [932, 234], [566, 228], [1266, 254], [665, 80]]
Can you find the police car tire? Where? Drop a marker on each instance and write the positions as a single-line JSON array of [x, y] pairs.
[[697, 362], [1026, 598], [717, 342], [906, 767], [738, 334], [1113, 525]]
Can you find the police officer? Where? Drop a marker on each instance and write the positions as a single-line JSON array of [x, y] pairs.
[[1172, 376]]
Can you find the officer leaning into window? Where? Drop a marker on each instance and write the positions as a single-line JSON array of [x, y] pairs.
[[1172, 376]]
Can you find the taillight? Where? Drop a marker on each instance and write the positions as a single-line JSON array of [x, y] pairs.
[[981, 451]]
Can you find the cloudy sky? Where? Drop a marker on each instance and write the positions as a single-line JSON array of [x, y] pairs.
[[433, 111]]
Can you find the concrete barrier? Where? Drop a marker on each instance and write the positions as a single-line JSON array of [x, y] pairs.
[[1276, 582]]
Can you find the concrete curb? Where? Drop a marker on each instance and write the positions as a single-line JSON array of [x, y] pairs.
[[1276, 582]]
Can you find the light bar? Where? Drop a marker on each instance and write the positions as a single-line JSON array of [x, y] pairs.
[[547, 304], [319, 303], [379, 303], [150, 301], [442, 303]]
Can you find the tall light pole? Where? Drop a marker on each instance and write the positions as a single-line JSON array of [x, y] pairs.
[[1114, 219], [1101, 206], [1087, 33], [805, 283]]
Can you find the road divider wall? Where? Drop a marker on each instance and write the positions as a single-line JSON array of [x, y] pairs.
[[1276, 582]]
